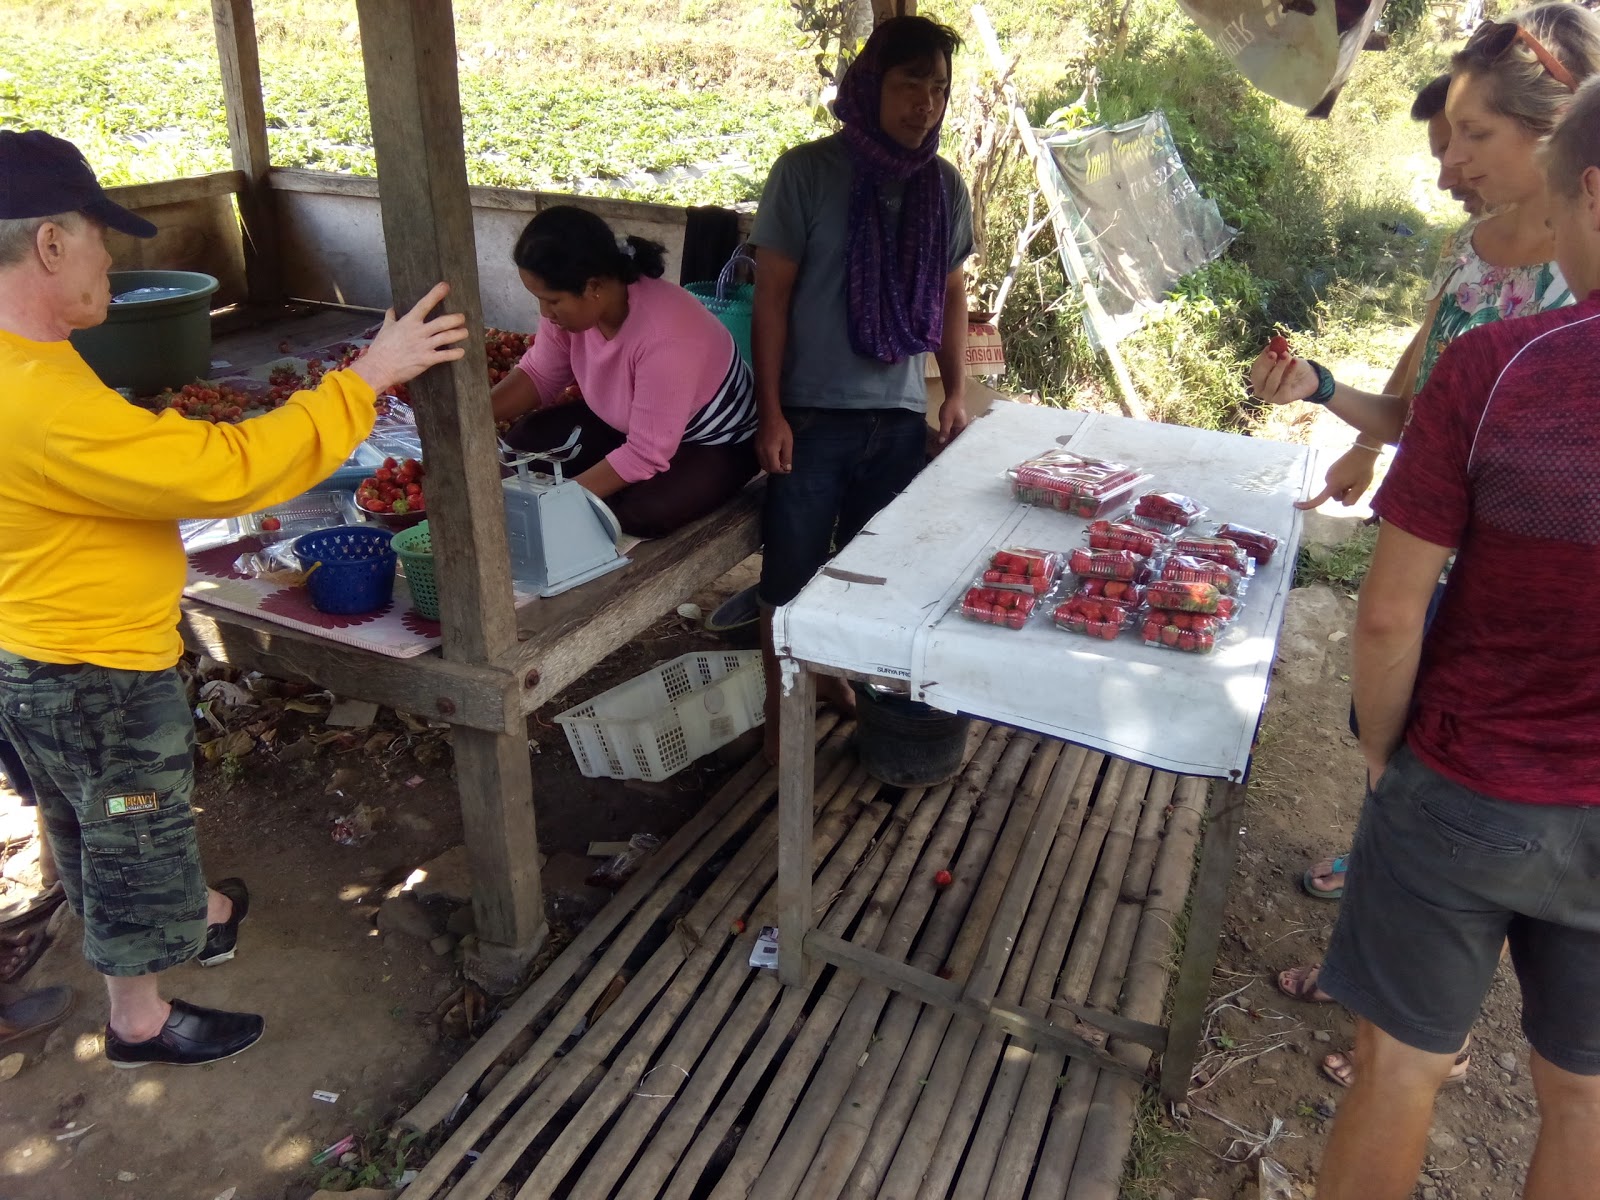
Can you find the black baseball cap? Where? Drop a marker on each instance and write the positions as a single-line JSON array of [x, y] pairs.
[[41, 175]]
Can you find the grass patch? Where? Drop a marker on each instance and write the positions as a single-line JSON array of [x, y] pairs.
[[1155, 1143], [1341, 566]]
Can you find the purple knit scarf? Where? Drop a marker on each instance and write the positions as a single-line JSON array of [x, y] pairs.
[[895, 276]]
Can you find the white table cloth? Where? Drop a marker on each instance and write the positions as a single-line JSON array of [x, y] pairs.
[[888, 605]]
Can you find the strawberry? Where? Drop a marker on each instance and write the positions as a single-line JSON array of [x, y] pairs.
[[1278, 345], [270, 524], [942, 878], [1186, 640], [1169, 635]]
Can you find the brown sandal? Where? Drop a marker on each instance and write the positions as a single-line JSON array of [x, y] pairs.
[[1341, 1068], [1300, 983], [19, 951]]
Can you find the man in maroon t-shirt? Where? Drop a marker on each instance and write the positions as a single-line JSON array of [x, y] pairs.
[[1482, 740]]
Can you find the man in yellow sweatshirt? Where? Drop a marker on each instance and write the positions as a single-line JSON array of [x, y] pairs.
[[91, 569]]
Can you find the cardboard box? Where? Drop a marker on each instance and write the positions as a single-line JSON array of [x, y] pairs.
[[985, 356], [980, 397]]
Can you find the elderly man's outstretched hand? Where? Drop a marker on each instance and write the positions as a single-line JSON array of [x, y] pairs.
[[407, 346]]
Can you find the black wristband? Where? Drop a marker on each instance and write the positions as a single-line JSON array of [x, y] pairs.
[[1325, 384]]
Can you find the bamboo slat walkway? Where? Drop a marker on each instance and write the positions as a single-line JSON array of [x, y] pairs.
[[662, 1064]]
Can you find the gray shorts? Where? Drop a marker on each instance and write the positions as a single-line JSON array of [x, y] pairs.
[[1442, 875]]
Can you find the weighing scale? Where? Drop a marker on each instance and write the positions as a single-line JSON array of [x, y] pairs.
[[560, 533]]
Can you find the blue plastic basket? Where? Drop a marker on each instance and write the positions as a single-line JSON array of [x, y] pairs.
[[349, 570]]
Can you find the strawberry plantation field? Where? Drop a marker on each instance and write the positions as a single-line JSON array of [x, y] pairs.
[[147, 105]]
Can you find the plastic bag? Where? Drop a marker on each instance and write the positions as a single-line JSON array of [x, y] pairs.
[[614, 872], [1300, 53]]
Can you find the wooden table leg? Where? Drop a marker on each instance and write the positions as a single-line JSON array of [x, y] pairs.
[[1219, 849], [796, 787], [496, 782]]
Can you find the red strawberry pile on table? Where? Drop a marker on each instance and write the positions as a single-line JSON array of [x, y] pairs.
[[1258, 545], [1194, 632], [1023, 569], [1091, 615], [214, 402], [998, 606], [394, 489], [504, 351], [1109, 564], [1120, 535]]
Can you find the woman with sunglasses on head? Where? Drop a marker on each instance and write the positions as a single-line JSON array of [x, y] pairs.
[[1509, 86]]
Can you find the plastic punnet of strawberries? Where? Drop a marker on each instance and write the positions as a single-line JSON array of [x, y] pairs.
[[998, 606], [394, 489]]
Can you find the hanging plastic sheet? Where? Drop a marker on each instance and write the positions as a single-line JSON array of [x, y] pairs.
[[1298, 51], [1140, 222]]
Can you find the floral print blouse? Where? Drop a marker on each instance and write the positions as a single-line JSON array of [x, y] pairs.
[[1473, 293]]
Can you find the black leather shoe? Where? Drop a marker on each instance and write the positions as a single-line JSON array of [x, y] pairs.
[[191, 1037], [222, 939]]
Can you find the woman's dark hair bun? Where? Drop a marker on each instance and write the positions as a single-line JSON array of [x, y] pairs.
[[567, 246]]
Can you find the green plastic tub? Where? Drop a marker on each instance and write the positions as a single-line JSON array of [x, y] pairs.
[[157, 340]]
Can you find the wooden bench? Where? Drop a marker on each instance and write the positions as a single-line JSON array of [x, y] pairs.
[[559, 639]]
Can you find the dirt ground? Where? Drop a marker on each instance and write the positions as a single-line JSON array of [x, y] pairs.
[[355, 1005], [370, 1012], [1264, 1050]]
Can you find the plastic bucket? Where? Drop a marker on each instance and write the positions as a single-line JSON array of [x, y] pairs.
[[154, 341], [904, 743], [349, 569]]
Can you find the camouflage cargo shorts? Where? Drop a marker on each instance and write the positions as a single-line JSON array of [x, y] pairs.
[[111, 757]]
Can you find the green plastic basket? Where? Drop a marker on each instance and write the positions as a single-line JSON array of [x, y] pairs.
[[414, 548], [731, 303]]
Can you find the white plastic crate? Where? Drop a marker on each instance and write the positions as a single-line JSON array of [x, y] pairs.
[[658, 723]]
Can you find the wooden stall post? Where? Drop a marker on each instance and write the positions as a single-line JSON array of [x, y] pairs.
[[240, 57], [796, 815], [1219, 849], [409, 49]]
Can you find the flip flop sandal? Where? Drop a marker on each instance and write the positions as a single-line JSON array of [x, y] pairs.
[[34, 1012], [1345, 1072], [34, 946], [45, 903], [1308, 881], [1304, 985]]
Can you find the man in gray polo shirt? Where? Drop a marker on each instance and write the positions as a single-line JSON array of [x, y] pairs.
[[859, 239]]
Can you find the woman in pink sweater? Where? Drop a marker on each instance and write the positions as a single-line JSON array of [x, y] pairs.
[[668, 409]]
